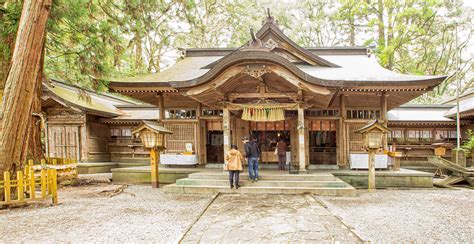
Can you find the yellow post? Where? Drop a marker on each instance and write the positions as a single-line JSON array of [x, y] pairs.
[[154, 162], [43, 182], [371, 176], [29, 168], [32, 182], [49, 175], [20, 187], [54, 186], [6, 186]]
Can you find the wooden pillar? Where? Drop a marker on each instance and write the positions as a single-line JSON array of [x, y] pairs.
[[384, 117], [301, 139], [161, 106], [154, 163], [343, 140], [199, 135], [371, 176], [226, 129], [383, 109]]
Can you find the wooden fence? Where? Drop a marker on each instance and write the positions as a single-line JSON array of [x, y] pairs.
[[29, 186]]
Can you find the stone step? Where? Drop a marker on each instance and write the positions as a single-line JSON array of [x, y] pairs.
[[218, 182], [322, 191], [272, 177]]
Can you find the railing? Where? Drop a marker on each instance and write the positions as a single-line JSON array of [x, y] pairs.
[[26, 184]]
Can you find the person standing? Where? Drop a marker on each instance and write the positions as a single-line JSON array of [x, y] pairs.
[[234, 160], [281, 151], [252, 153]]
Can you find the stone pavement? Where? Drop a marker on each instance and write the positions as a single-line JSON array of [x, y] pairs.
[[234, 218]]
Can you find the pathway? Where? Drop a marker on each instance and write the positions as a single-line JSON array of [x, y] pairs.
[[234, 218]]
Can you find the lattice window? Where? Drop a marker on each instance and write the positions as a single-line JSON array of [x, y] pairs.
[[182, 134], [180, 114], [321, 113], [363, 114], [212, 112], [356, 141]]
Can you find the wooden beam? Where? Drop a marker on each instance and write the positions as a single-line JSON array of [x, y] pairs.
[[233, 96]]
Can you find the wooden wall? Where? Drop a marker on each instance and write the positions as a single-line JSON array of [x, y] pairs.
[[97, 139], [64, 131]]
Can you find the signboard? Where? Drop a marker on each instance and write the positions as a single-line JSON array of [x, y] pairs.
[[361, 161], [226, 140]]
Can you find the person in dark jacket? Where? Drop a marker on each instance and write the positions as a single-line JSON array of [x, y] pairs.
[[281, 151], [252, 153]]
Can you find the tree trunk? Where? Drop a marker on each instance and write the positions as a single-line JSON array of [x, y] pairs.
[[34, 150], [352, 30], [381, 25], [20, 83], [138, 51]]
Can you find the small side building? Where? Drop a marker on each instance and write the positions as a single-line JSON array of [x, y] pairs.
[[92, 127]]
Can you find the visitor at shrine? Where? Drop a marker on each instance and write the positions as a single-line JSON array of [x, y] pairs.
[[281, 152], [234, 161], [252, 153]]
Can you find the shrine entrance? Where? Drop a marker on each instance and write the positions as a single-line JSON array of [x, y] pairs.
[[214, 141], [322, 142], [268, 134]]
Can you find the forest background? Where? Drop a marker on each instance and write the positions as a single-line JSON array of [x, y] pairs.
[[90, 41]]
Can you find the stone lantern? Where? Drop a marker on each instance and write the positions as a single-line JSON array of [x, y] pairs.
[[153, 137], [373, 134]]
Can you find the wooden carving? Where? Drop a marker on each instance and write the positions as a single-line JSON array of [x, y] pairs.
[[256, 72]]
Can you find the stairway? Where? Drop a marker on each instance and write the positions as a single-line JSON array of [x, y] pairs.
[[324, 184]]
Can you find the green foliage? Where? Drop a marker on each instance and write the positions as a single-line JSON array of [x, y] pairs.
[[468, 145], [9, 16], [90, 41]]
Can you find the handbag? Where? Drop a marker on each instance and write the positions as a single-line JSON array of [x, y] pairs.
[[225, 166], [276, 151]]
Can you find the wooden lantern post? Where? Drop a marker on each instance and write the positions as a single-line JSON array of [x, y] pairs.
[[153, 137], [373, 134]]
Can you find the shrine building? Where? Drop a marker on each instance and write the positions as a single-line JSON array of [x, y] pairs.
[[270, 88]]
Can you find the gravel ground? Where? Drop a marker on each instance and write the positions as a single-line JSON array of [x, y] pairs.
[[140, 213], [434, 215]]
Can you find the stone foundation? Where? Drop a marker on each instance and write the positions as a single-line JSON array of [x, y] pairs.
[[387, 179]]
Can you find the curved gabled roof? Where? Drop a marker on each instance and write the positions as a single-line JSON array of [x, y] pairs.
[[336, 67], [85, 100]]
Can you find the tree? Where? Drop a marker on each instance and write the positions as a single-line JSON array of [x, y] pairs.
[[22, 79], [9, 16]]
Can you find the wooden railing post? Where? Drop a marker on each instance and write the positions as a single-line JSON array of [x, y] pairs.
[[32, 182], [49, 180], [6, 186], [20, 186], [43, 182]]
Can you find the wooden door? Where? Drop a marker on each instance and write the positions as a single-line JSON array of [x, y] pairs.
[[63, 141]]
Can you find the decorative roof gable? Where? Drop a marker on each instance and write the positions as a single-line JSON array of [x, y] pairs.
[[276, 41]]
